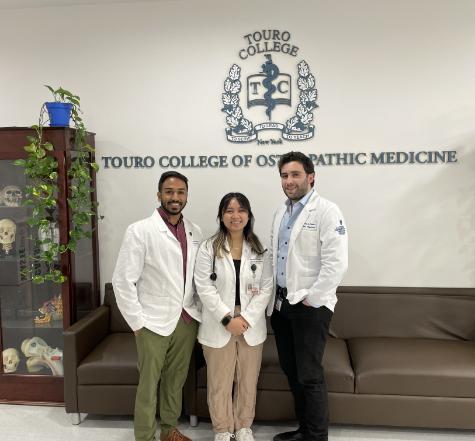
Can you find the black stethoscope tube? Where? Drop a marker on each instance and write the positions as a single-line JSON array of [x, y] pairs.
[[213, 276]]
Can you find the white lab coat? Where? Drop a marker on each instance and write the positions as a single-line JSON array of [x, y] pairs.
[[218, 297], [148, 276], [318, 253]]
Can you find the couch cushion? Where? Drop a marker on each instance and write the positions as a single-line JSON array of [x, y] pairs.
[[433, 313], [113, 361], [414, 367], [337, 366], [336, 361], [271, 376]]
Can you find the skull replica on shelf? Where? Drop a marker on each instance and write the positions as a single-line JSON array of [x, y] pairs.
[[7, 234], [12, 196], [40, 355], [11, 360]]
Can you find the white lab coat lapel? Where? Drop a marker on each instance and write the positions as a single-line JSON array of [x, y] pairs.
[[308, 208], [246, 253], [162, 226], [190, 255], [298, 226], [228, 261]]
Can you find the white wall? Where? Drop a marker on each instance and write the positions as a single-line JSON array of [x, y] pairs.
[[391, 76]]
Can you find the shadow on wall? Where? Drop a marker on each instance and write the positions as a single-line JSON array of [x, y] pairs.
[[466, 222], [443, 211]]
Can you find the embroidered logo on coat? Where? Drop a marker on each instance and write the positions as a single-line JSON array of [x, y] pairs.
[[341, 230]]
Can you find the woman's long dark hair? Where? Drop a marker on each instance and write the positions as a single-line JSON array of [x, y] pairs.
[[219, 239]]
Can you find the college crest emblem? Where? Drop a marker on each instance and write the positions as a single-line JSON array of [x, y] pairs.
[[266, 90]]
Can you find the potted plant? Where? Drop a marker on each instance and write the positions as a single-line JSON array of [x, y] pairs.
[[41, 194], [59, 110]]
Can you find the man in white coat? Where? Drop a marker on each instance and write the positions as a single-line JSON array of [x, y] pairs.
[[153, 285], [310, 255]]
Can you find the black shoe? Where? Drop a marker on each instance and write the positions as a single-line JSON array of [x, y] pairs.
[[294, 435]]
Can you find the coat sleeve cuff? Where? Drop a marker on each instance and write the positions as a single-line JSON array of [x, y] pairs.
[[249, 318], [221, 311], [135, 325], [297, 296]]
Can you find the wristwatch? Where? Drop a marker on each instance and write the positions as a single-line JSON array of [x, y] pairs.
[[225, 321]]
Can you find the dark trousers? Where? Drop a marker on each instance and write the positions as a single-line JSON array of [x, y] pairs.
[[301, 334]]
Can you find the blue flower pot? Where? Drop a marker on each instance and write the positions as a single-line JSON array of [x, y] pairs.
[[59, 114]]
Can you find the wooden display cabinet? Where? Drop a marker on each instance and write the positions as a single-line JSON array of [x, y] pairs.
[[32, 372]]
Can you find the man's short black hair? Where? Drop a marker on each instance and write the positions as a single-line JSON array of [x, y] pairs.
[[297, 157], [171, 174]]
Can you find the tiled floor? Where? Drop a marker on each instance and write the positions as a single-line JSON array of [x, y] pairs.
[[41, 423]]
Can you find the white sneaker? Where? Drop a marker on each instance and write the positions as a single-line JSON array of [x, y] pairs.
[[223, 436], [244, 434]]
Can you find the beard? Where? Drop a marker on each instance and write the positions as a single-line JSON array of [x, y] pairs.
[[296, 194], [173, 210]]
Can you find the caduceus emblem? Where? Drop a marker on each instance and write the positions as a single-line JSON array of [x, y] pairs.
[[271, 72], [278, 91]]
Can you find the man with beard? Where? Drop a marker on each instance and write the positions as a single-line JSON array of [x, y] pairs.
[[153, 285], [310, 257]]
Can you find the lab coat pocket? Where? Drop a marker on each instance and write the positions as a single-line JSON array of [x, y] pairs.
[[307, 243], [155, 306]]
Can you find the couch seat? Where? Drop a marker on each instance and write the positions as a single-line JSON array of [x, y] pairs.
[[113, 361], [414, 366], [336, 361]]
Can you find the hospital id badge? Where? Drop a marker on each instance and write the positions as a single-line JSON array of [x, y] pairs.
[[252, 289], [278, 303]]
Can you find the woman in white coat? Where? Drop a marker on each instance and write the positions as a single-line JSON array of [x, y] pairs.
[[233, 277]]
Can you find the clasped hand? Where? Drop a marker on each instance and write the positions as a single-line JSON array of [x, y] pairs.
[[237, 326]]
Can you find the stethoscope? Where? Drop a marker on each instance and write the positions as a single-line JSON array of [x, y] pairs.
[[213, 276]]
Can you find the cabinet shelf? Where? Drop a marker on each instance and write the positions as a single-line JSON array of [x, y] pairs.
[[29, 324]]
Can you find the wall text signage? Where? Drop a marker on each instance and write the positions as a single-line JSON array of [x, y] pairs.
[[270, 160]]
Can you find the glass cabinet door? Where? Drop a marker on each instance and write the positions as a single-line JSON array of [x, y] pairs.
[[31, 315]]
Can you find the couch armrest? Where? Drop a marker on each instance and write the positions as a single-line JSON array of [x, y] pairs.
[[79, 340]]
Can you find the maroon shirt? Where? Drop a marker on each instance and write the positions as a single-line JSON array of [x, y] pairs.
[[179, 232]]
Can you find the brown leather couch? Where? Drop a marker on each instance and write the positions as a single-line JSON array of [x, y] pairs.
[[100, 363], [396, 356]]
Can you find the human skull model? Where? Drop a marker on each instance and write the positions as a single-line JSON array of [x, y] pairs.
[[12, 196], [7, 234], [11, 359]]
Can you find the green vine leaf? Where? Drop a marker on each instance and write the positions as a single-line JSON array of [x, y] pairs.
[[41, 195]]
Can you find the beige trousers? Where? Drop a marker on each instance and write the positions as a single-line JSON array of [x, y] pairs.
[[239, 363]]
